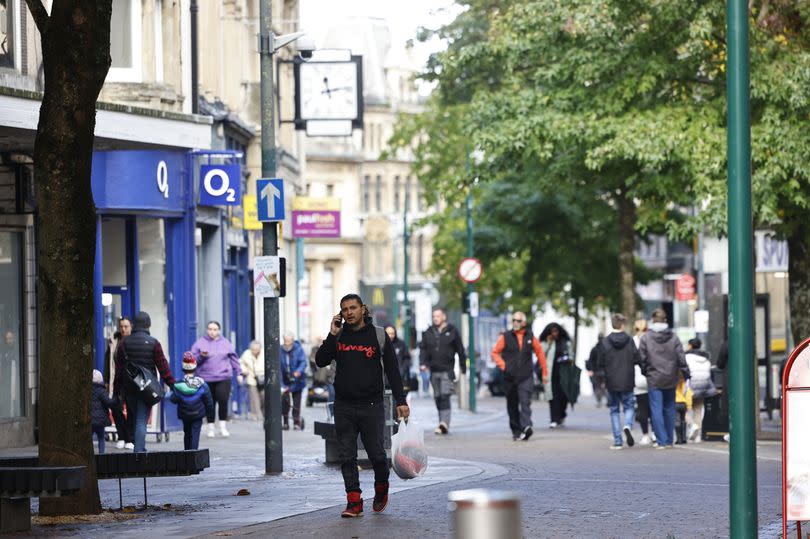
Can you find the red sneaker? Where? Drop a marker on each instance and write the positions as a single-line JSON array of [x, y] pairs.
[[380, 497], [354, 507]]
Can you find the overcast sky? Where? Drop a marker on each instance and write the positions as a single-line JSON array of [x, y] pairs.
[[403, 17]]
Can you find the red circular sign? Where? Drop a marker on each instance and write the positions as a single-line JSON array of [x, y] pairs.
[[470, 270]]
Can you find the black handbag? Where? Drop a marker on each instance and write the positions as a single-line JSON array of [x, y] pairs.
[[146, 382]]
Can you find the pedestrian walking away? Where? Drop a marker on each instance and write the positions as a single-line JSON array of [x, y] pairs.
[[662, 361], [100, 405], [217, 362], [700, 369], [512, 354], [617, 356], [194, 402], [293, 362], [440, 344], [640, 390], [596, 375], [140, 348], [354, 344], [564, 374], [403, 358], [252, 363]]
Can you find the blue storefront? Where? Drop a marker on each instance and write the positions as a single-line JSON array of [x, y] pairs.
[[145, 259]]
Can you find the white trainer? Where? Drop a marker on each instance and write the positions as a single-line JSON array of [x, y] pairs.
[[129, 445], [211, 433], [645, 440], [223, 429], [120, 444]]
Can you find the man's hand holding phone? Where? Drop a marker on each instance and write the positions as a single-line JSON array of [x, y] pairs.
[[337, 323]]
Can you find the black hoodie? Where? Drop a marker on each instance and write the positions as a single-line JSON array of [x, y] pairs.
[[618, 359], [359, 372]]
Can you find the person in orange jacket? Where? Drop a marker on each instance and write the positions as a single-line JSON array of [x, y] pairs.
[[513, 356]]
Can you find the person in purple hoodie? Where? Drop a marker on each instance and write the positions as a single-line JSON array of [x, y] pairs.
[[216, 363]]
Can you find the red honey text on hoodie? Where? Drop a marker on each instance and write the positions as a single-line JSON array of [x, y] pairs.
[[359, 374]]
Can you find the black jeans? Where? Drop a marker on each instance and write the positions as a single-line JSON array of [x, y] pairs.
[[558, 402], [519, 403], [367, 419], [120, 422], [643, 412], [221, 391], [191, 433]]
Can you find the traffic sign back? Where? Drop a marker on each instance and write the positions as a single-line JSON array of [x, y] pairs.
[[271, 199]]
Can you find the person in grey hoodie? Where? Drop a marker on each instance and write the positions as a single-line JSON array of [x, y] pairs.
[[662, 359], [617, 356]]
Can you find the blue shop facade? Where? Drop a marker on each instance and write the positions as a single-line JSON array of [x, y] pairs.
[[159, 252]]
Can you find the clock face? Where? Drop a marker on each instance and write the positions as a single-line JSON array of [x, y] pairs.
[[328, 90]]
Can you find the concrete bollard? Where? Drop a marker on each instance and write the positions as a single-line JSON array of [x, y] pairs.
[[485, 514]]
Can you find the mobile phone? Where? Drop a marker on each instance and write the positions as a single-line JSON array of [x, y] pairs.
[[339, 323]]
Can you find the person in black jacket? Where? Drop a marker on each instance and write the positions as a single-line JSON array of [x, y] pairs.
[[403, 358], [194, 402], [437, 352], [361, 360], [100, 405], [596, 375], [617, 357], [555, 342]]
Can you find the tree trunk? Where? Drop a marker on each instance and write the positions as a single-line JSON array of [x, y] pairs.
[[799, 272], [627, 246], [76, 58]]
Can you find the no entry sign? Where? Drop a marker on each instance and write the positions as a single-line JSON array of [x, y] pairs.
[[470, 270]]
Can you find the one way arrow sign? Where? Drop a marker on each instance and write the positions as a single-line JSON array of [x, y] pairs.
[[271, 199]]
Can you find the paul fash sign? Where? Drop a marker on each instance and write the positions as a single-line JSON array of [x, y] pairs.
[[316, 217], [220, 185]]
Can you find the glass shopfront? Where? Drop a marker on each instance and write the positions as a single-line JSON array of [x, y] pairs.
[[12, 364]]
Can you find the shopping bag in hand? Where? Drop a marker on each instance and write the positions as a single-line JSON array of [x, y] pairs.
[[409, 458]]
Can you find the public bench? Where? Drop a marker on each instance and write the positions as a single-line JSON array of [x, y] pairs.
[[150, 464], [21, 479]]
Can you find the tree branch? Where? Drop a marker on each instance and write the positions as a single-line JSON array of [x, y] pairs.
[[38, 11]]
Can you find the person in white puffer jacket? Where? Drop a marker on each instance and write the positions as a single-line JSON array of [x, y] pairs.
[[640, 391], [702, 386]]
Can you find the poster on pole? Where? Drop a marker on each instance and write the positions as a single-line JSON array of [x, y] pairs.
[[269, 277]]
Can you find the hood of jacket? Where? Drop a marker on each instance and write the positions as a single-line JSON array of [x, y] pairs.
[[618, 339], [662, 335]]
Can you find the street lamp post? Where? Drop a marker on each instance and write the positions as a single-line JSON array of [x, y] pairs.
[[470, 317], [268, 44], [742, 407], [406, 318]]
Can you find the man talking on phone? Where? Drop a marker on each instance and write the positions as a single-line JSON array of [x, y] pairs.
[[362, 353]]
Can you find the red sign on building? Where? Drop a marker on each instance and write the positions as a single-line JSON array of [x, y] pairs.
[[685, 288]]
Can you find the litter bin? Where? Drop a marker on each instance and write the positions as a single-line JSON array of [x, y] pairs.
[[485, 514]]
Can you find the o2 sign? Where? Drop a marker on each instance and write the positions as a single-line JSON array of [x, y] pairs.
[[220, 185]]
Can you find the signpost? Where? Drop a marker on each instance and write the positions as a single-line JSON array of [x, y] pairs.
[[685, 287], [271, 199], [470, 270]]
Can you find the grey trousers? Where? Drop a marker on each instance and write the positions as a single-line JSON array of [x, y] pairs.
[[519, 403], [443, 388]]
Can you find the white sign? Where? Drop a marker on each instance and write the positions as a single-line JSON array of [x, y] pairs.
[[701, 321], [267, 277], [772, 254], [470, 270], [474, 304]]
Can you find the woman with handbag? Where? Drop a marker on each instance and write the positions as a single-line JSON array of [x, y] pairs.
[[252, 363], [136, 382]]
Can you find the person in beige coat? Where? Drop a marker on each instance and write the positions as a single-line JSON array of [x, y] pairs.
[[252, 363]]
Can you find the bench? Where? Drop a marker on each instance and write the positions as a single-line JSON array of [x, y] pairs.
[[150, 464], [22, 479], [327, 431]]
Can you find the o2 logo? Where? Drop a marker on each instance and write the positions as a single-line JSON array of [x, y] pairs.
[[220, 185], [163, 178]]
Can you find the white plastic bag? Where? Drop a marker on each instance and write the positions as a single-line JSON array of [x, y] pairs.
[[409, 457]]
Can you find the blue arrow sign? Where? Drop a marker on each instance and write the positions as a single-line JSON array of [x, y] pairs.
[[271, 199]]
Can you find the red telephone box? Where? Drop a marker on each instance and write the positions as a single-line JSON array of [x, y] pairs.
[[796, 438]]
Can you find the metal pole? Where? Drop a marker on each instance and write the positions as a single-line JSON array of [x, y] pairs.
[[742, 460], [299, 276], [195, 82], [470, 290], [406, 318], [273, 461]]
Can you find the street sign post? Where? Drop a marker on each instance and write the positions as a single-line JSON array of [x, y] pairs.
[[271, 199], [470, 270]]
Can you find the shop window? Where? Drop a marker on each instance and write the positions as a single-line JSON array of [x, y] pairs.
[[152, 271], [396, 193], [12, 364], [7, 33], [366, 193], [125, 41], [407, 194], [378, 193]]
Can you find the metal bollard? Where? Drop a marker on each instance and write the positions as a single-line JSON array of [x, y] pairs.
[[485, 514]]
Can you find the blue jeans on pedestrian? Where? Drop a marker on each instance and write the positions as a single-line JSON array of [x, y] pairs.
[[662, 414], [627, 400], [99, 432], [137, 415], [191, 433]]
